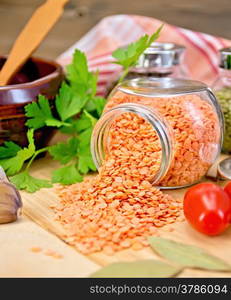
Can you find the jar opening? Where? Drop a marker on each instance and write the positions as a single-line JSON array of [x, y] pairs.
[[161, 55], [100, 142]]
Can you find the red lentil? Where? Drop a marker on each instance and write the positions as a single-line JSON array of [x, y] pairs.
[[119, 207], [36, 249], [195, 131], [47, 252], [53, 254]]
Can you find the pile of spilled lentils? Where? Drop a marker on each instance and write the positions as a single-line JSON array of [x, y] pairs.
[[119, 208]]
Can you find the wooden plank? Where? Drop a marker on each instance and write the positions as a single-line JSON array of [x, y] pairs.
[[17, 259], [81, 15], [37, 207]]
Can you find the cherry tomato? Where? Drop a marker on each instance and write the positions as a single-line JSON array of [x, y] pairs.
[[227, 189], [207, 208]]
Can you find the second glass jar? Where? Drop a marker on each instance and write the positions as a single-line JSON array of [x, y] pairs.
[[222, 88]]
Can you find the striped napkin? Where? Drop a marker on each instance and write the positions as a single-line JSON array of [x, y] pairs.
[[201, 58]]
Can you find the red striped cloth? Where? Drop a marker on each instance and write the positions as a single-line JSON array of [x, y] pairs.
[[201, 57]]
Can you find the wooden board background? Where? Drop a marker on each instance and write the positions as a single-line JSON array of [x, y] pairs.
[[16, 239], [17, 260], [81, 15], [37, 208]]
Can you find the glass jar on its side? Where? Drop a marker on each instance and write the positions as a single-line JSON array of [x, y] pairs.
[[222, 88], [167, 131]]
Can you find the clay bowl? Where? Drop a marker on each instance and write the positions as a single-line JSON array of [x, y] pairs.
[[37, 76]]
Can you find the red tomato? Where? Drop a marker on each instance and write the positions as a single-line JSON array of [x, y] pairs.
[[207, 208]]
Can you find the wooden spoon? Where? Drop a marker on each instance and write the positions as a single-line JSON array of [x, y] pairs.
[[31, 36]]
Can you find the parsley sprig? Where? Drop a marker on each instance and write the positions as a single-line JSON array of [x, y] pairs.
[[76, 97], [12, 160], [127, 56], [75, 113]]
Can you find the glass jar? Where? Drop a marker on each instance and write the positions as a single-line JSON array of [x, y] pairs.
[[159, 60], [222, 88], [170, 129]]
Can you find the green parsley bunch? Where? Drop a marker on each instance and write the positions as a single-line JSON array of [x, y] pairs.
[[78, 109]]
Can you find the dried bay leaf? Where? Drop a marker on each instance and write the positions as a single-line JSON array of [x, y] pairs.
[[137, 269], [187, 255]]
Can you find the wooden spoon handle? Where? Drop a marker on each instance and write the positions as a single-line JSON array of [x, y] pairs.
[[31, 36]]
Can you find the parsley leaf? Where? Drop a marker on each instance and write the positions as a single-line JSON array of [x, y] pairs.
[[66, 175], [85, 126], [24, 181], [96, 104], [128, 56], [77, 71], [99, 104], [14, 165], [68, 103], [71, 128], [85, 137], [78, 109], [82, 81], [9, 149], [85, 162], [85, 121], [77, 125], [40, 114], [64, 152]]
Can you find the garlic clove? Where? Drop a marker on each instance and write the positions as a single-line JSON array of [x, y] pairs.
[[10, 200]]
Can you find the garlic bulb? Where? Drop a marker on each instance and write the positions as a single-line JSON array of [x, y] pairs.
[[10, 200]]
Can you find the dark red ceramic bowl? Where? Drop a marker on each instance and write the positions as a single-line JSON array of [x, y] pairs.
[[37, 76]]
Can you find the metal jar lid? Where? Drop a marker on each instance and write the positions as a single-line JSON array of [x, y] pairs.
[[225, 60], [161, 55]]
